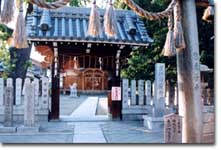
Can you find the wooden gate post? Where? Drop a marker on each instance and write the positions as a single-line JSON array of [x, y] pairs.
[[116, 106], [55, 93]]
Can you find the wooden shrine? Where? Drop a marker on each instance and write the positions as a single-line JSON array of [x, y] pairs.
[[75, 57]]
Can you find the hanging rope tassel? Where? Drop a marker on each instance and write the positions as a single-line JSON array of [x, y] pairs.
[[208, 13], [178, 30], [19, 35], [7, 11], [169, 47], [110, 25], [94, 21]]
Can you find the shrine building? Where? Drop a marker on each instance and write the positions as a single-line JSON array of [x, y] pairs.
[[74, 57]]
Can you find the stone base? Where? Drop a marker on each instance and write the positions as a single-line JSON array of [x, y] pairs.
[[153, 123], [7, 129], [24, 129]]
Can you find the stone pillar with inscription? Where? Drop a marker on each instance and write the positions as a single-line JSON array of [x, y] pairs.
[[172, 129], [159, 90], [29, 109], [155, 122], [7, 126]]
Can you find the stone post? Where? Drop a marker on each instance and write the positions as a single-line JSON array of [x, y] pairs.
[[1, 91], [141, 92], [148, 92], [36, 91], [45, 95], [188, 74], [18, 91], [125, 93], [29, 105], [29, 108], [133, 92], [8, 111], [155, 122], [159, 90]]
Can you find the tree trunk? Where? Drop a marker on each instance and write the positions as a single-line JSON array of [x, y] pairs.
[[188, 71], [20, 58]]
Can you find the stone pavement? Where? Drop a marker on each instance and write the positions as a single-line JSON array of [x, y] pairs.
[[86, 111], [88, 123], [86, 132]]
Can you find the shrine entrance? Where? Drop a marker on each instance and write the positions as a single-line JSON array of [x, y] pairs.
[[94, 79], [90, 64]]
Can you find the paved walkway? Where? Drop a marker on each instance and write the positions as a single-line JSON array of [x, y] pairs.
[[88, 123], [86, 132], [86, 111]]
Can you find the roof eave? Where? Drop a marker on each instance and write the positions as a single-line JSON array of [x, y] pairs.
[[89, 41]]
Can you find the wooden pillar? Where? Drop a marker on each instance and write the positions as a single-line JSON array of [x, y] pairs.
[[116, 106], [188, 71], [55, 93]]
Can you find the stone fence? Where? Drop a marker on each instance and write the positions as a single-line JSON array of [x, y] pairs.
[[135, 105], [41, 98], [138, 100]]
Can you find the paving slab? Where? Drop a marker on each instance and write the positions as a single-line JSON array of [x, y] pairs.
[[88, 133]]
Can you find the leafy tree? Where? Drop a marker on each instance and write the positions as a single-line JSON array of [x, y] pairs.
[[8, 66], [141, 63]]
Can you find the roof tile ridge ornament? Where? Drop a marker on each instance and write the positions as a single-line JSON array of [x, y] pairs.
[[45, 23]]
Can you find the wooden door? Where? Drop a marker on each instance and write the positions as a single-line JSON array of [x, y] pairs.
[[94, 79]]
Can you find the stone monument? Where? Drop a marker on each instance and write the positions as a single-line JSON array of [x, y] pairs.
[[155, 122], [7, 126], [29, 109], [172, 128]]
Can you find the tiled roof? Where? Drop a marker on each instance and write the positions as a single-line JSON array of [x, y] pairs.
[[71, 23]]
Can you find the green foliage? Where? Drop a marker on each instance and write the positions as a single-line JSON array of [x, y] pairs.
[[5, 59], [79, 3], [141, 64], [76, 3], [5, 32]]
